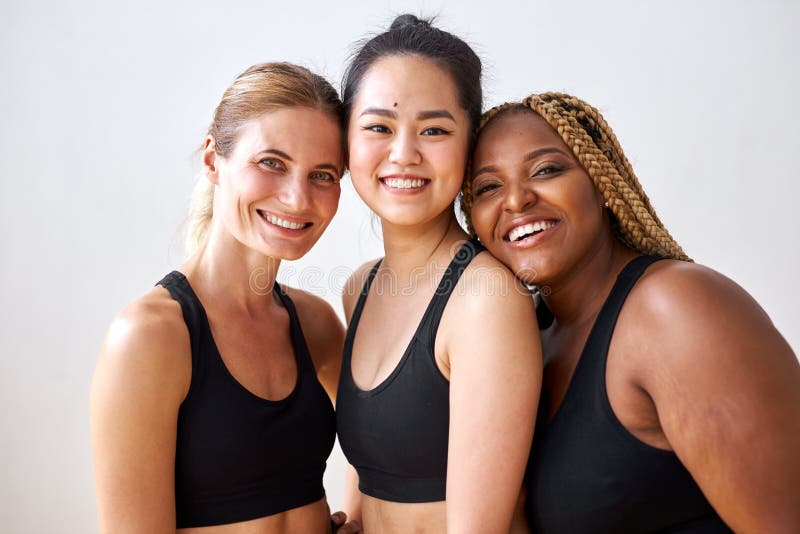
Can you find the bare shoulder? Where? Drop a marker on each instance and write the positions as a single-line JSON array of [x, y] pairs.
[[490, 309], [324, 334], [689, 314], [148, 339], [488, 286], [317, 316], [354, 285], [672, 285], [682, 294]]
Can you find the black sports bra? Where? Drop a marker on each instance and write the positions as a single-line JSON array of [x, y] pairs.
[[588, 474], [239, 456], [396, 434]]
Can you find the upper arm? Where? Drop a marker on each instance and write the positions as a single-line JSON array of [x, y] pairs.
[[324, 335], [495, 379], [726, 387], [141, 378]]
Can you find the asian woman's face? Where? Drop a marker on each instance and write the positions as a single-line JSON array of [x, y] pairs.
[[408, 139]]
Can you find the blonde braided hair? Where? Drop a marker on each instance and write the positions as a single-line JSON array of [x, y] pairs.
[[596, 148]]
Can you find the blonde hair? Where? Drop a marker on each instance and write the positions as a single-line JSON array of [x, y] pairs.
[[260, 89], [596, 148]]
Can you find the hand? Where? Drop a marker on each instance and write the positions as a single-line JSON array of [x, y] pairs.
[[342, 526]]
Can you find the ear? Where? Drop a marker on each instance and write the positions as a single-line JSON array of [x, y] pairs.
[[210, 160]]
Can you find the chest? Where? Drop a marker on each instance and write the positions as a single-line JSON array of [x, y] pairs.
[[386, 331], [257, 351]]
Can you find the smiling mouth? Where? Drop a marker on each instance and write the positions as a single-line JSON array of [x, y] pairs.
[[405, 183], [283, 223], [518, 233]]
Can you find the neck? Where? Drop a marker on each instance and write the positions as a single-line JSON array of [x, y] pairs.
[[407, 248], [577, 295], [228, 273]]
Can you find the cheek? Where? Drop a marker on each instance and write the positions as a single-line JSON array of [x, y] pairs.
[[449, 159], [362, 155], [330, 202], [484, 220]]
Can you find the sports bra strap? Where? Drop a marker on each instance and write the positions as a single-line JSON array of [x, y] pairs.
[[433, 316]]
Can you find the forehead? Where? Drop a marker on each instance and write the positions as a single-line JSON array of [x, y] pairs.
[[300, 131], [406, 82], [515, 131]]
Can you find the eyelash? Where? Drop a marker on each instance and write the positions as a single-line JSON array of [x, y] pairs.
[[547, 169], [430, 131], [544, 171], [275, 164], [328, 177], [270, 163], [483, 189]]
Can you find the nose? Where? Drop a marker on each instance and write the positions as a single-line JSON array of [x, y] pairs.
[[295, 193], [518, 197], [404, 150]]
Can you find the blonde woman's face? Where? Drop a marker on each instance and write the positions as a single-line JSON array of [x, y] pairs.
[[279, 188], [534, 206], [407, 140]]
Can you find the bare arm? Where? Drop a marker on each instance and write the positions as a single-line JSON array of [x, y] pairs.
[[141, 378], [726, 387], [495, 380]]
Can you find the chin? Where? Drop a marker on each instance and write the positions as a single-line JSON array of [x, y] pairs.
[[285, 253], [532, 271]]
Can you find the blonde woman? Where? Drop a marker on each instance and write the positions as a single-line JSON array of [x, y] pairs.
[[670, 402], [210, 408]]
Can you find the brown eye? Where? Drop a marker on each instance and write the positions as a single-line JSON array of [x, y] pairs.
[[484, 188], [377, 128], [435, 130], [547, 170]]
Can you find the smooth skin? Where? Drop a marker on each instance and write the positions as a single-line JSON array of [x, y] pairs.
[[286, 163], [407, 123], [695, 365]]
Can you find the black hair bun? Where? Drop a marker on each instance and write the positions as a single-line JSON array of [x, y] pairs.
[[406, 20]]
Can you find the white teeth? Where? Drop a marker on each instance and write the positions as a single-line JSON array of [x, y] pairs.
[[403, 183], [525, 230], [284, 224]]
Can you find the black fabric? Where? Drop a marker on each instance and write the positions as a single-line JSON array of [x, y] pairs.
[[588, 474], [238, 456], [395, 435]]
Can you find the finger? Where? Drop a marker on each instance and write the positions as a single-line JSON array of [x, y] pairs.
[[339, 518], [352, 527]]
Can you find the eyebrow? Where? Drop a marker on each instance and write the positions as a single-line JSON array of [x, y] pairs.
[[528, 157], [277, 152], [421, 116], [284, 155]]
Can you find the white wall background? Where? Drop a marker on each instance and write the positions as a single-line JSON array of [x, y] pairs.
[[102, 104]]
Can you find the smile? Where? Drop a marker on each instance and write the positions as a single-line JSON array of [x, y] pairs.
[[404, 183], [518, 233], [283, 223]]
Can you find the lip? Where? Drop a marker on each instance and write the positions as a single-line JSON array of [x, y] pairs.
[[264, 214], [405, 190], [532, 239]]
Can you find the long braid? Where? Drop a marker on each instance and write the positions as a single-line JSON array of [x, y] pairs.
[[598, 151]]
